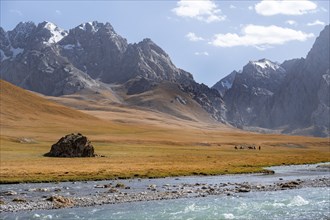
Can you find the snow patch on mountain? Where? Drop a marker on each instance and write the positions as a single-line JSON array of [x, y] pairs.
[[57, 33], [16, 51], [69, 46], [3, 56], [82, 26], [94, 27], [264, 63], [226, 84], [326, 77]]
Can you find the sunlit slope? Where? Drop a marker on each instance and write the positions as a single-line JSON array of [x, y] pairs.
[[18, 105], [23, 111], [167, 98], [25, 114], [164, 105]]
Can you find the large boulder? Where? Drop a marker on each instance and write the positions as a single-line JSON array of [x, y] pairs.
[[72, 145]]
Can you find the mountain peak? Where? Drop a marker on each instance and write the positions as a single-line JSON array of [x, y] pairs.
[[48, 25], [319, 54], [89, 26], [149, 45], [147, 40], [25, 24], [24, 27], [95, 26], [56, 33], [265, 64]]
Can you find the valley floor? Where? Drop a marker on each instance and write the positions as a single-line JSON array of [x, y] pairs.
[[135, 143], [156, 154]]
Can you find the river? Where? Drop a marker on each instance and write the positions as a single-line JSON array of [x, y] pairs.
[[299, 203]]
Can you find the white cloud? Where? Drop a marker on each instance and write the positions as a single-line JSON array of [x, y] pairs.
[[293, 7], [261, 37], [193, 37], [250, 7], [17, 12], [232, 6], [204, 53], [291, 22], [316, 22], [202, 10], [58, 12]]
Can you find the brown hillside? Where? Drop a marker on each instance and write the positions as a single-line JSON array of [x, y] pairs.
[[21, 110], [166, 98], [19, 104]]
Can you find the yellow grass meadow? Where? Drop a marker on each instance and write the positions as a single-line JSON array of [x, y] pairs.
[[145, 147]]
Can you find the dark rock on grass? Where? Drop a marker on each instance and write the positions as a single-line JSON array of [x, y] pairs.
[[72, 145]]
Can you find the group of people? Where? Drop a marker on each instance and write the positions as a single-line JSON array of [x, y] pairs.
[[246, 146]]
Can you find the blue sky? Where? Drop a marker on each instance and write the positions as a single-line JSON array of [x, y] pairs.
[[207, 38]]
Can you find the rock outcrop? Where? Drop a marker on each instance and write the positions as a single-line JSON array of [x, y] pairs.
[[210, 99], [72, 145]]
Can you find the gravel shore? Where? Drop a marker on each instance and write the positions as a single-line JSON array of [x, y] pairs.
[[56, 196]]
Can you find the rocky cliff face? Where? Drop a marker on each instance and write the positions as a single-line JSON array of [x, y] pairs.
[[226, 83], [30, 59], [209, 99], [302, 100], [250, 89], [96, 49], [320, 117], [148, 60], [292, 97]]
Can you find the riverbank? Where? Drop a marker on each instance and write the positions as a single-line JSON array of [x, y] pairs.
[[20, 197]]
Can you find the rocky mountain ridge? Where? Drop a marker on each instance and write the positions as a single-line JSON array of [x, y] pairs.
[[304, 97], [250, 88], [293, 97], [46, 59]]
